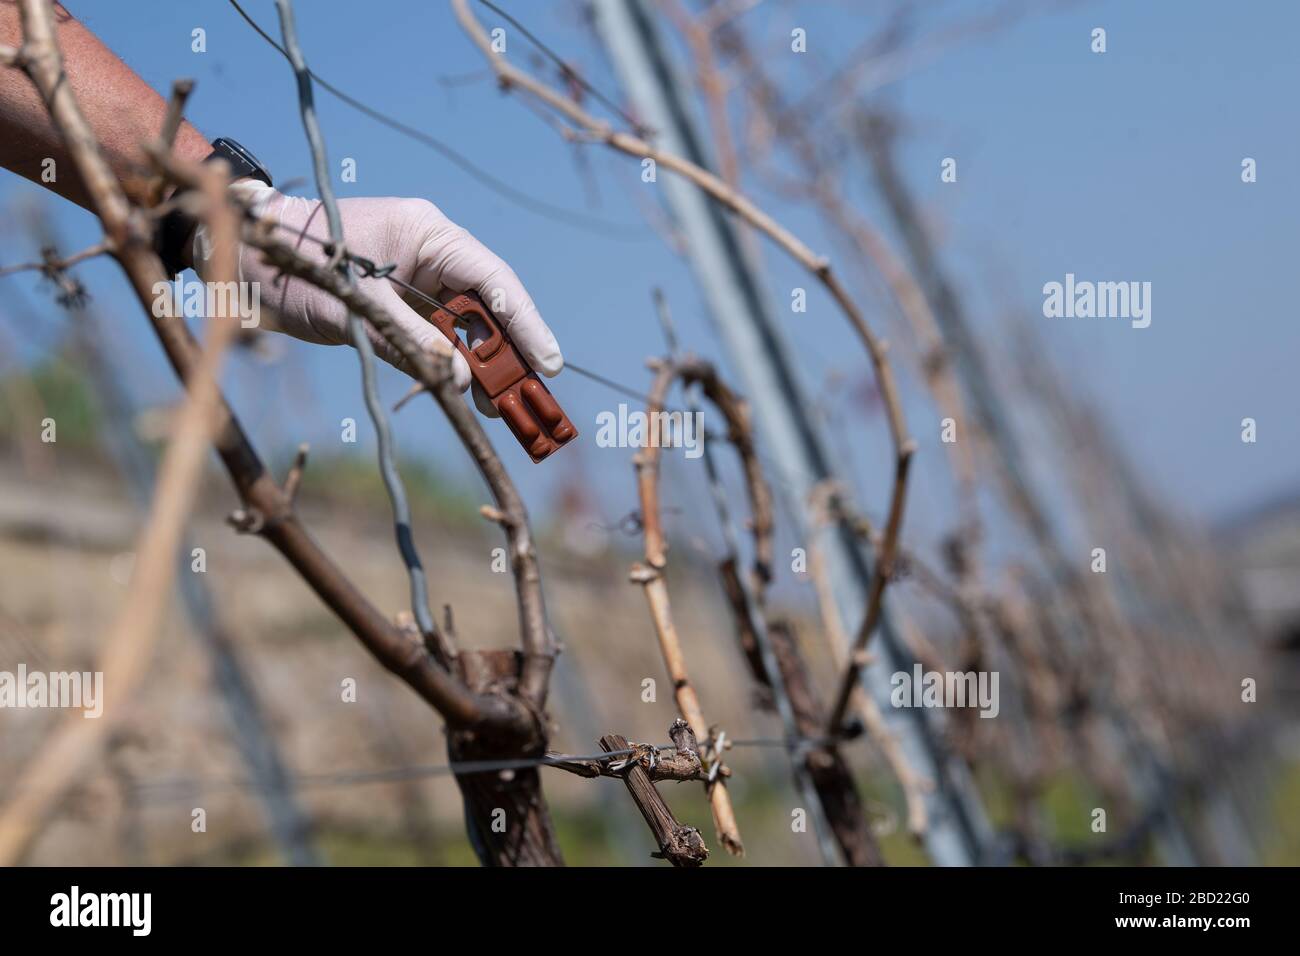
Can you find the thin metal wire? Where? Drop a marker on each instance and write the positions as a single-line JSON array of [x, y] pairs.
[[607, 382], [384, 272], [419, 586], [369, 269], [391, 774], [607, 228], [182, 787], [568, 72]]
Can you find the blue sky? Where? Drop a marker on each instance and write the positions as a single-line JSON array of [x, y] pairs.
[[1121, 166]]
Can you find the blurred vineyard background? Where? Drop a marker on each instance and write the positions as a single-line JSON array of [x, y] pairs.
[[67, 526]]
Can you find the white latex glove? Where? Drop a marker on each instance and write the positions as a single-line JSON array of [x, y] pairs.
[[431, 252]]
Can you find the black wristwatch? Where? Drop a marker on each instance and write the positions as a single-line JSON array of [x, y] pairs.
[[243, 164], [177, 227]]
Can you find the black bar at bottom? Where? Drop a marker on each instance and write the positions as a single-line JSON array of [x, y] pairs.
[[330, 906]]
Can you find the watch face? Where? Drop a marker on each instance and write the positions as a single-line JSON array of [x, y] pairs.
[[242, 162]]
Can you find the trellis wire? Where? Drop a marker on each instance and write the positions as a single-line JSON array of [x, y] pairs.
[[356, 328], [180, 787], [612, 230]]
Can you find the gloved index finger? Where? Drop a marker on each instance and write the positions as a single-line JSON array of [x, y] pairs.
[[504, 294], [460, 262]]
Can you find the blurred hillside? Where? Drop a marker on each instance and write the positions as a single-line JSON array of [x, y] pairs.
[[64, 558]]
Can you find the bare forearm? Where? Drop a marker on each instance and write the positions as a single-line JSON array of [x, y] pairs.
[[122, 109]]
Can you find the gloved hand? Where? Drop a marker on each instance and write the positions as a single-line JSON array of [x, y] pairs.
[[431, 252]]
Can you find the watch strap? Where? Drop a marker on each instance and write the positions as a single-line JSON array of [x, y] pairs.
[[177, 227]]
